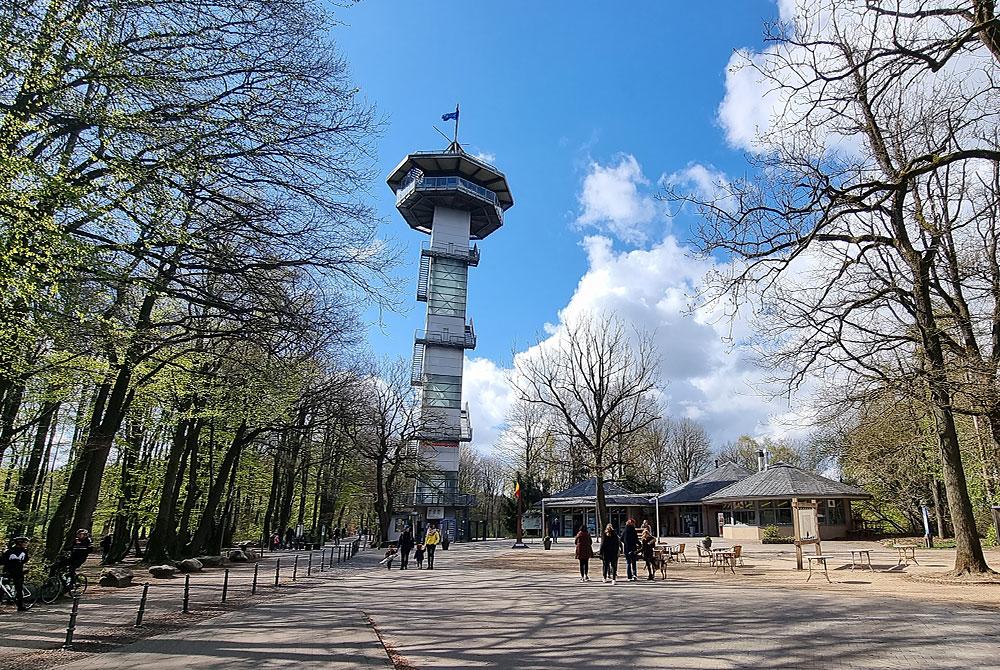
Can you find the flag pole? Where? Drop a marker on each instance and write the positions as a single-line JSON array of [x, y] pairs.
[[519, 543], [456, 125]]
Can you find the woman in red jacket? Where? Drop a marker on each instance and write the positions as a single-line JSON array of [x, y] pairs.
[[584, 552]]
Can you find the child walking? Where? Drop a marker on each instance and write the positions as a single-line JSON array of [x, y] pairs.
[[418, 556]]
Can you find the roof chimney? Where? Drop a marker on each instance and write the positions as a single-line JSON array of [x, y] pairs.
[[761, 460]]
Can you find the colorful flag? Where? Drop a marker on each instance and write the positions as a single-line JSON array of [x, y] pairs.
[[517, 490], [450, 116]]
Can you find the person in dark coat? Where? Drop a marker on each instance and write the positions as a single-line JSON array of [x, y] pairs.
[[630, 540], [106, 542], [647, 545], [611, 546], [584, 552], [405, 547], [13, 560]]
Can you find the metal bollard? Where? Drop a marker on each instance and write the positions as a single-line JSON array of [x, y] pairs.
[[68, 644], [309, 568], [322, 559], [142, 605], [187, 592], [253, 587], [225, 585], [295, 568], [277, 571]]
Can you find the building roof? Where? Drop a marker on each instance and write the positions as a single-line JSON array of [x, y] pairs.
[[584, 494], [588, 487], [694, 490], [782, 480]]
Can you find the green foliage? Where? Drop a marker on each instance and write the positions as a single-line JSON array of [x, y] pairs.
[[771, 535]]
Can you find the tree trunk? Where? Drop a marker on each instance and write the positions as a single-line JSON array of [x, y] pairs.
[[162, 539], [8, 417], [57, 535], [29, 481], [207, 525], [969, 558]]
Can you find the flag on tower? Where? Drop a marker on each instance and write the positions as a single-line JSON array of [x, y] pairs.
[[517, 490], [450, 116]]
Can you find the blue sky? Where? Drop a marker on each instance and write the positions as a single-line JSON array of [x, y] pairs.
[[566, 97]]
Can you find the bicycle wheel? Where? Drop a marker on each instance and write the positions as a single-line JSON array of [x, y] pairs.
[[79, 587], [30, 595], [50, 590]]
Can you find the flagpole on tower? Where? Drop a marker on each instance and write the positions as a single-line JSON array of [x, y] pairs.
[[456, 124]]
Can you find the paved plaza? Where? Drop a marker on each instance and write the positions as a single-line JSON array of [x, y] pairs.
[[471, 612]]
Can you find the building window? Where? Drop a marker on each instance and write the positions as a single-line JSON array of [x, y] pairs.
[[744, 514], [831, 512], [447, 294], [776, 513], [443, 391]]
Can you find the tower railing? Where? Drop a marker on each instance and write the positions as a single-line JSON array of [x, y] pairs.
[[466, 340], [462, 253], [450, 183]]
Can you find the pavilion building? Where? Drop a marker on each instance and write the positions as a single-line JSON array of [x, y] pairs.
[[765, 499], [729, 501]]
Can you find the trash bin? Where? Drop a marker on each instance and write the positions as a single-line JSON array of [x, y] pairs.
[[547, 542]]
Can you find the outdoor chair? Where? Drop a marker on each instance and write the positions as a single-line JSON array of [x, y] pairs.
[[705, 553], [738, 554], [677, 553]]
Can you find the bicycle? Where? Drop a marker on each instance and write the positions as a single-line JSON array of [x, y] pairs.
[[7, 592], [60, 583]]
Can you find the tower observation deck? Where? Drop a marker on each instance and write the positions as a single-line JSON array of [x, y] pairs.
[[456, 199]]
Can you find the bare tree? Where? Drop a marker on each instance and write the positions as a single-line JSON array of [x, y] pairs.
[[689, 451], [835, 240], [525, 436], [598, 379]]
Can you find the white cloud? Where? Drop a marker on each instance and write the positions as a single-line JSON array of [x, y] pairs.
[[704, 182], [486, 156], [704, 375], [749, 104], [485, 388], [613, 200]]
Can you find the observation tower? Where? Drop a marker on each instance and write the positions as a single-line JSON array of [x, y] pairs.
[[456, 199]]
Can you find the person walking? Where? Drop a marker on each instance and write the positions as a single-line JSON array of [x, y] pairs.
[[630, 540], [13, 560], [611, 546], [105, 548], [584, 552], [405, 547], [431, 541], [647, 544]]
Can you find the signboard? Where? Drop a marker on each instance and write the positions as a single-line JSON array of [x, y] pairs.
[[435, 512], [807, 526], [531, 522]]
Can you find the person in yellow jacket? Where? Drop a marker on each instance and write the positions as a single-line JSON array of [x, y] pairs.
[[431, 541]]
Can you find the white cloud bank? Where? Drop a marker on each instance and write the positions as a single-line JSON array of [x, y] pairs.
[[704, 375]]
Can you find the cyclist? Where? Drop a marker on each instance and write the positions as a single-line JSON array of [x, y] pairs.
[[77, 556], [13, 560]]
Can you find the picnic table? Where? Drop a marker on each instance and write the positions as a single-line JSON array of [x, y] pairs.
[[907, 553], [724, 557], [858, 557]]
